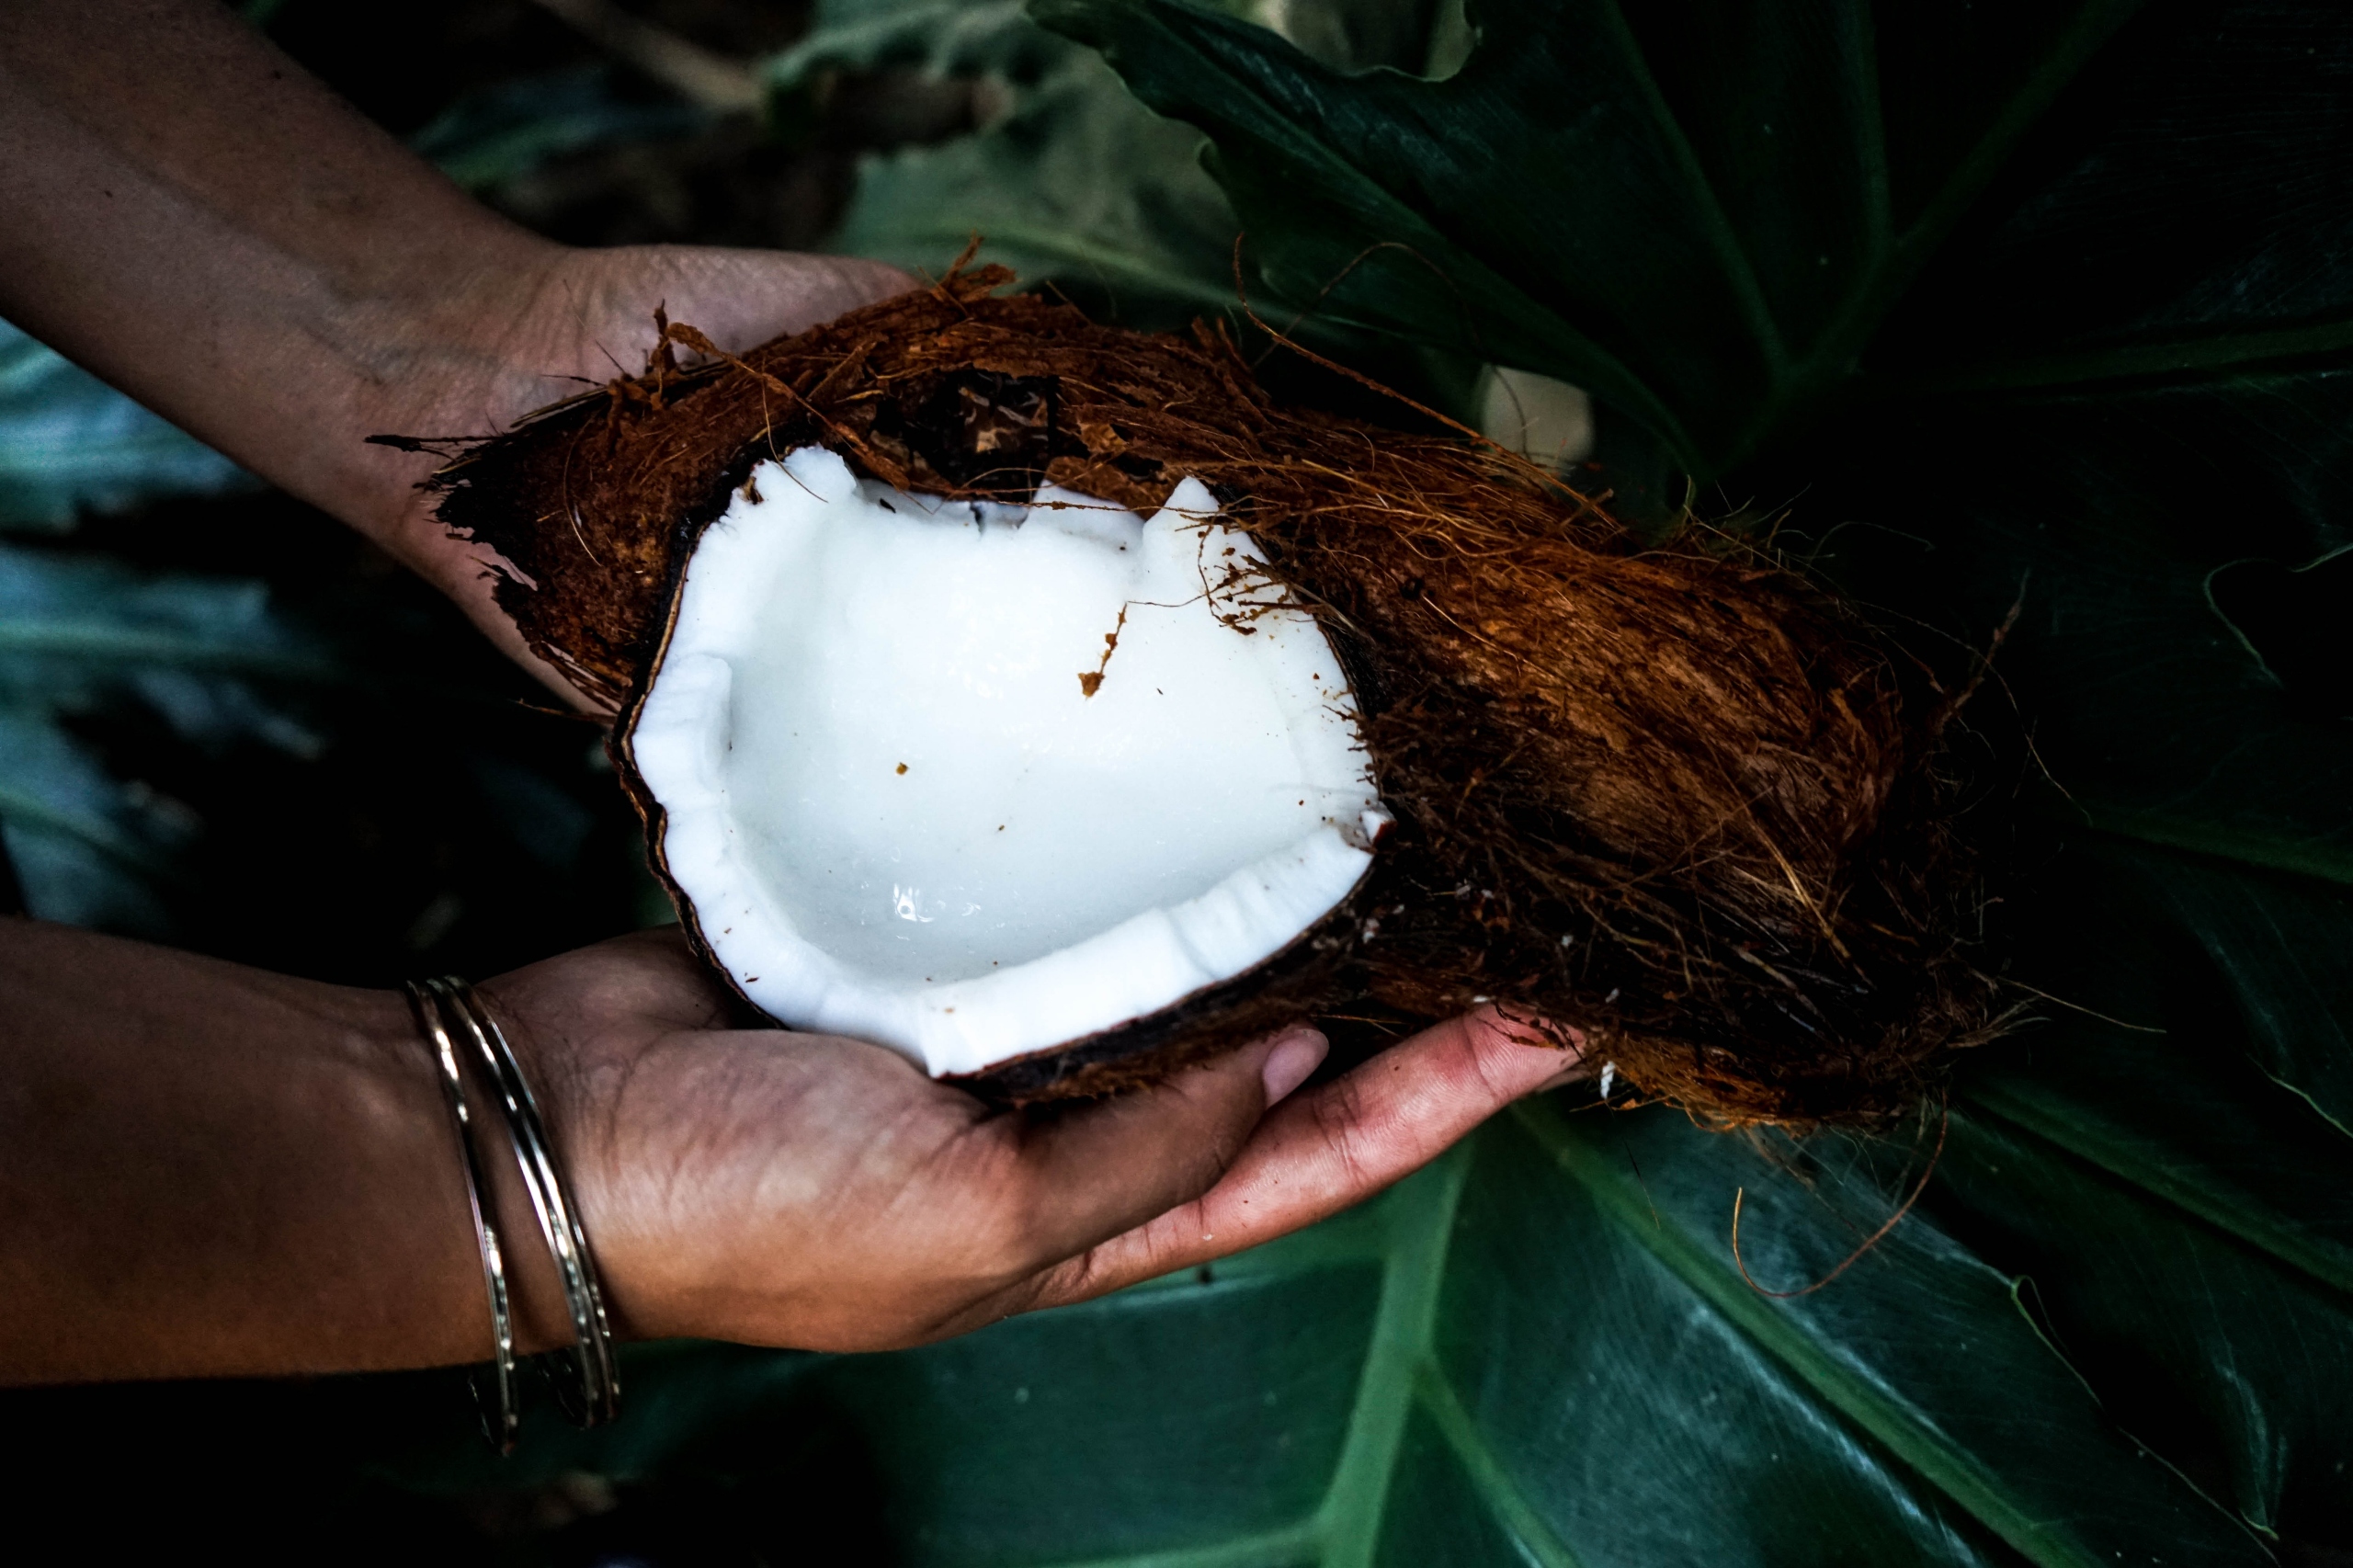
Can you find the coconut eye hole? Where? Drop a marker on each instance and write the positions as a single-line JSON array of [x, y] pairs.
[[974, 781]]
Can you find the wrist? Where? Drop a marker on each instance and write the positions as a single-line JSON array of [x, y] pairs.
[[431, 354], [519, 1141], [461, 355], [591, 1038]]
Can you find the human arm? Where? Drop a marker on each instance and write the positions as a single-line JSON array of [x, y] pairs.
[[188, 214], [208, 1170]]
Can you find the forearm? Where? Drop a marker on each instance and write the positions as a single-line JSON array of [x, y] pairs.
[[188, 213], [208, 1170]]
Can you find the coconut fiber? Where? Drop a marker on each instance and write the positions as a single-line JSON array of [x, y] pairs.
[[1675, 795]]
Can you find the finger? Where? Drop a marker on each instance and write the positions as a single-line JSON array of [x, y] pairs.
[[1093, 1173], [1335, 1146]]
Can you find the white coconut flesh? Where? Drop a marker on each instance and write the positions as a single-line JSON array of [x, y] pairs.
[[900, 813]]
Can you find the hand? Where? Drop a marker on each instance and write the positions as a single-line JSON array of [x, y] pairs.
[[519, 338], [806, 1190]]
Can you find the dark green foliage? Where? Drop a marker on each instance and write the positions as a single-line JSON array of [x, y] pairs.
[[2081, 346], [68, 442]]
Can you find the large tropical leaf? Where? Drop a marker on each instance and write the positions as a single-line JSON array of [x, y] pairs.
[[1074, 182], [2034, 307], [1068, 179]]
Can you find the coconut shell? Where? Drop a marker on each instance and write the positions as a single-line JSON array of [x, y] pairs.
[[1675, 795]]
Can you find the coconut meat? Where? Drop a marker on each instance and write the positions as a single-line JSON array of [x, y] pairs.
[[974, 780]]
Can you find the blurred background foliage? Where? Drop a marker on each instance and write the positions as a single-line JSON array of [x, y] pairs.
[[2106, 383]]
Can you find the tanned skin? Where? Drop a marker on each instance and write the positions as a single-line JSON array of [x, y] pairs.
[[208, 1170]]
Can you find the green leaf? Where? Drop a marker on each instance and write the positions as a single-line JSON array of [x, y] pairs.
[[2152, 1064], [2229, 1363], [81, 636], [2109, 508], [1918, 1346], [507, 130], [1153, 244], [1702, 212], [1314, 159], [1072, 182], [82, 852], [69, 443]]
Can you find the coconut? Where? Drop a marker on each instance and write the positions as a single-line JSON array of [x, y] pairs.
[[907, 795], [1047, 701]]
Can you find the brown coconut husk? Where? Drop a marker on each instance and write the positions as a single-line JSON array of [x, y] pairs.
[[1675, 795]]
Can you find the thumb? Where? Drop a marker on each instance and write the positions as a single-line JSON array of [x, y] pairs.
[[1090, 1174]]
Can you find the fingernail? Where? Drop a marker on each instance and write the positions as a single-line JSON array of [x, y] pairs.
[[1295, 1056]]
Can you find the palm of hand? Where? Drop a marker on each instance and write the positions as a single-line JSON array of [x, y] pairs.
[[786, 1189]]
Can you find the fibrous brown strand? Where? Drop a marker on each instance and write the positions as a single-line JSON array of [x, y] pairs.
[[1675, 795]]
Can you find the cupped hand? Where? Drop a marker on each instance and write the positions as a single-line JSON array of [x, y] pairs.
[[781, 1188]]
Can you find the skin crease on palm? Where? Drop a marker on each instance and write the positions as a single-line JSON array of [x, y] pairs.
[[212, 1170]]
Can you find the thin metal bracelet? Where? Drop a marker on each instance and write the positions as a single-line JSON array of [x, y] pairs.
[[502, 1413], [593, 1396]]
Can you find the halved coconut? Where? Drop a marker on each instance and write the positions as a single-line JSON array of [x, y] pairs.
[[976, 780], [1056, 795]]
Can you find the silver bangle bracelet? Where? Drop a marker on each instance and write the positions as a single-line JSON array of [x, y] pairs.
[[591, 1397], [501, 1412]]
